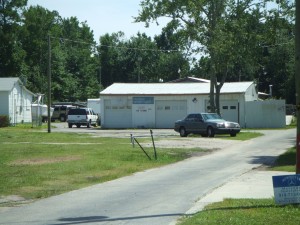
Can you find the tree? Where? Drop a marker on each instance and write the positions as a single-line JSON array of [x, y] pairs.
[[139, 59], [277, 55], [38, 23], [81, 69], [11, 52], [212, 24]]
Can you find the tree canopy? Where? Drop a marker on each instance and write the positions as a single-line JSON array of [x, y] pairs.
[[224, 41]]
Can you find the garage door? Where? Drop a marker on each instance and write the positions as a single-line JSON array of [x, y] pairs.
[[230, 110], [167, 112], [117, 114]]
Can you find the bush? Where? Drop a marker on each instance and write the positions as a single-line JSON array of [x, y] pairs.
[[4, 121]]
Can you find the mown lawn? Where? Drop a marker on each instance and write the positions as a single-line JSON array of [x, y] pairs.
[[36, 164], [245, 212]]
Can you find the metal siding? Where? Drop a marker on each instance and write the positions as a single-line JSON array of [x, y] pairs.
[[229, 110], [167, 112], [265, 114], [143, 115], [117, 115]]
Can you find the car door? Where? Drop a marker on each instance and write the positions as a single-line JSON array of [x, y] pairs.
[[201, 124], [198, 124], [189, 123]]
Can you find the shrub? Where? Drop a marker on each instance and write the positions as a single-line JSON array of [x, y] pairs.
[[4, 121]]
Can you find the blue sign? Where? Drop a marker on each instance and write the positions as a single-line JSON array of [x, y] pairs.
[[143, 100], [287, 189]]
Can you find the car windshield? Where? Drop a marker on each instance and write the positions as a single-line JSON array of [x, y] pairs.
[[211, 116]]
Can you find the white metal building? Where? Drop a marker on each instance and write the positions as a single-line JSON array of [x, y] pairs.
[[159, 105], [15, 100]]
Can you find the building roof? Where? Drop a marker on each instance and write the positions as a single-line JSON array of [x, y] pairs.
[[172, 88], [190, 79], [7, 84]]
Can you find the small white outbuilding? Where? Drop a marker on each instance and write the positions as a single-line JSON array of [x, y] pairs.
[[15, 100], [159, 105]]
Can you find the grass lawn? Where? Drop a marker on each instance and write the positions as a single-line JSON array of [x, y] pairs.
[[36, 164], [245, 212]]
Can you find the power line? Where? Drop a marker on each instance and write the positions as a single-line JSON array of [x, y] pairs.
[[111, 46]]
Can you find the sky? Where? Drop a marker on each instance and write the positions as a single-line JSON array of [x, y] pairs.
[[102, 16]]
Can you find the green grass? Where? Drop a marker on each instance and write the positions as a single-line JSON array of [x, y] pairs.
[[286, 161], [244, 212], [36, 164], [242, 136]]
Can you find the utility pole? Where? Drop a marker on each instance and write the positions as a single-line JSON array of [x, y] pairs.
[[297, 67], [49, 84]]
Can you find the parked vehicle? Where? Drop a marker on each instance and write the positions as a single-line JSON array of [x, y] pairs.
[[206, 124], [82, 116], [61, 112]]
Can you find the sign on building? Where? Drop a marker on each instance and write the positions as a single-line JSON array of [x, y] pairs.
[[286, 189]]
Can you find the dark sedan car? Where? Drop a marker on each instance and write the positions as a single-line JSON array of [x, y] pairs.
[[206, 124]]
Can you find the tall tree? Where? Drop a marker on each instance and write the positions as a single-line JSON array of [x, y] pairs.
[[11, 52], [78, 44], [206, 22], [38, 24]]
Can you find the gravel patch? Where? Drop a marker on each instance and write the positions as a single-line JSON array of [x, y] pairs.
[[203, 143]]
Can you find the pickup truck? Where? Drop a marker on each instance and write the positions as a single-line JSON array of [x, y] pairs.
[[82, 116]]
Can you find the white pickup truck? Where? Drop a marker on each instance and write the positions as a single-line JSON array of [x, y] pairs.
[[82, 116]]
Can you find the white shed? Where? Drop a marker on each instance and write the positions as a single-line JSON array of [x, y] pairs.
[[159, 105], [15, 100]]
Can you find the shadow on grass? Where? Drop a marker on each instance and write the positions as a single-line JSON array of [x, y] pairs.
[[286, 159]]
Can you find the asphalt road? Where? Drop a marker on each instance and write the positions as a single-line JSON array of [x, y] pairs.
[[156, 196]]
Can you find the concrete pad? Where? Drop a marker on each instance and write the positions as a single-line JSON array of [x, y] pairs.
[[253, 184]]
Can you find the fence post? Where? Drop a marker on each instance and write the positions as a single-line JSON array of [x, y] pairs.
[[132, 140], [155, 155]]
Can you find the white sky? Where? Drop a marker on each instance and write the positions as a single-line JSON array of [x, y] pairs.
[[102, 16]]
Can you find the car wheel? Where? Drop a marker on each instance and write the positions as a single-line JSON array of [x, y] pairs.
[[182, 132], [70, 125], [232, 134], [210, 132]]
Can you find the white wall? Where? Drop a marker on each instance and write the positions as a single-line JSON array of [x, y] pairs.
[[95, 104], [251, 94], [265, 114], [20, 105], [116, 112]]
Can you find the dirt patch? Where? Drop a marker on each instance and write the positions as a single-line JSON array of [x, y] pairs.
[[41, 161]]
